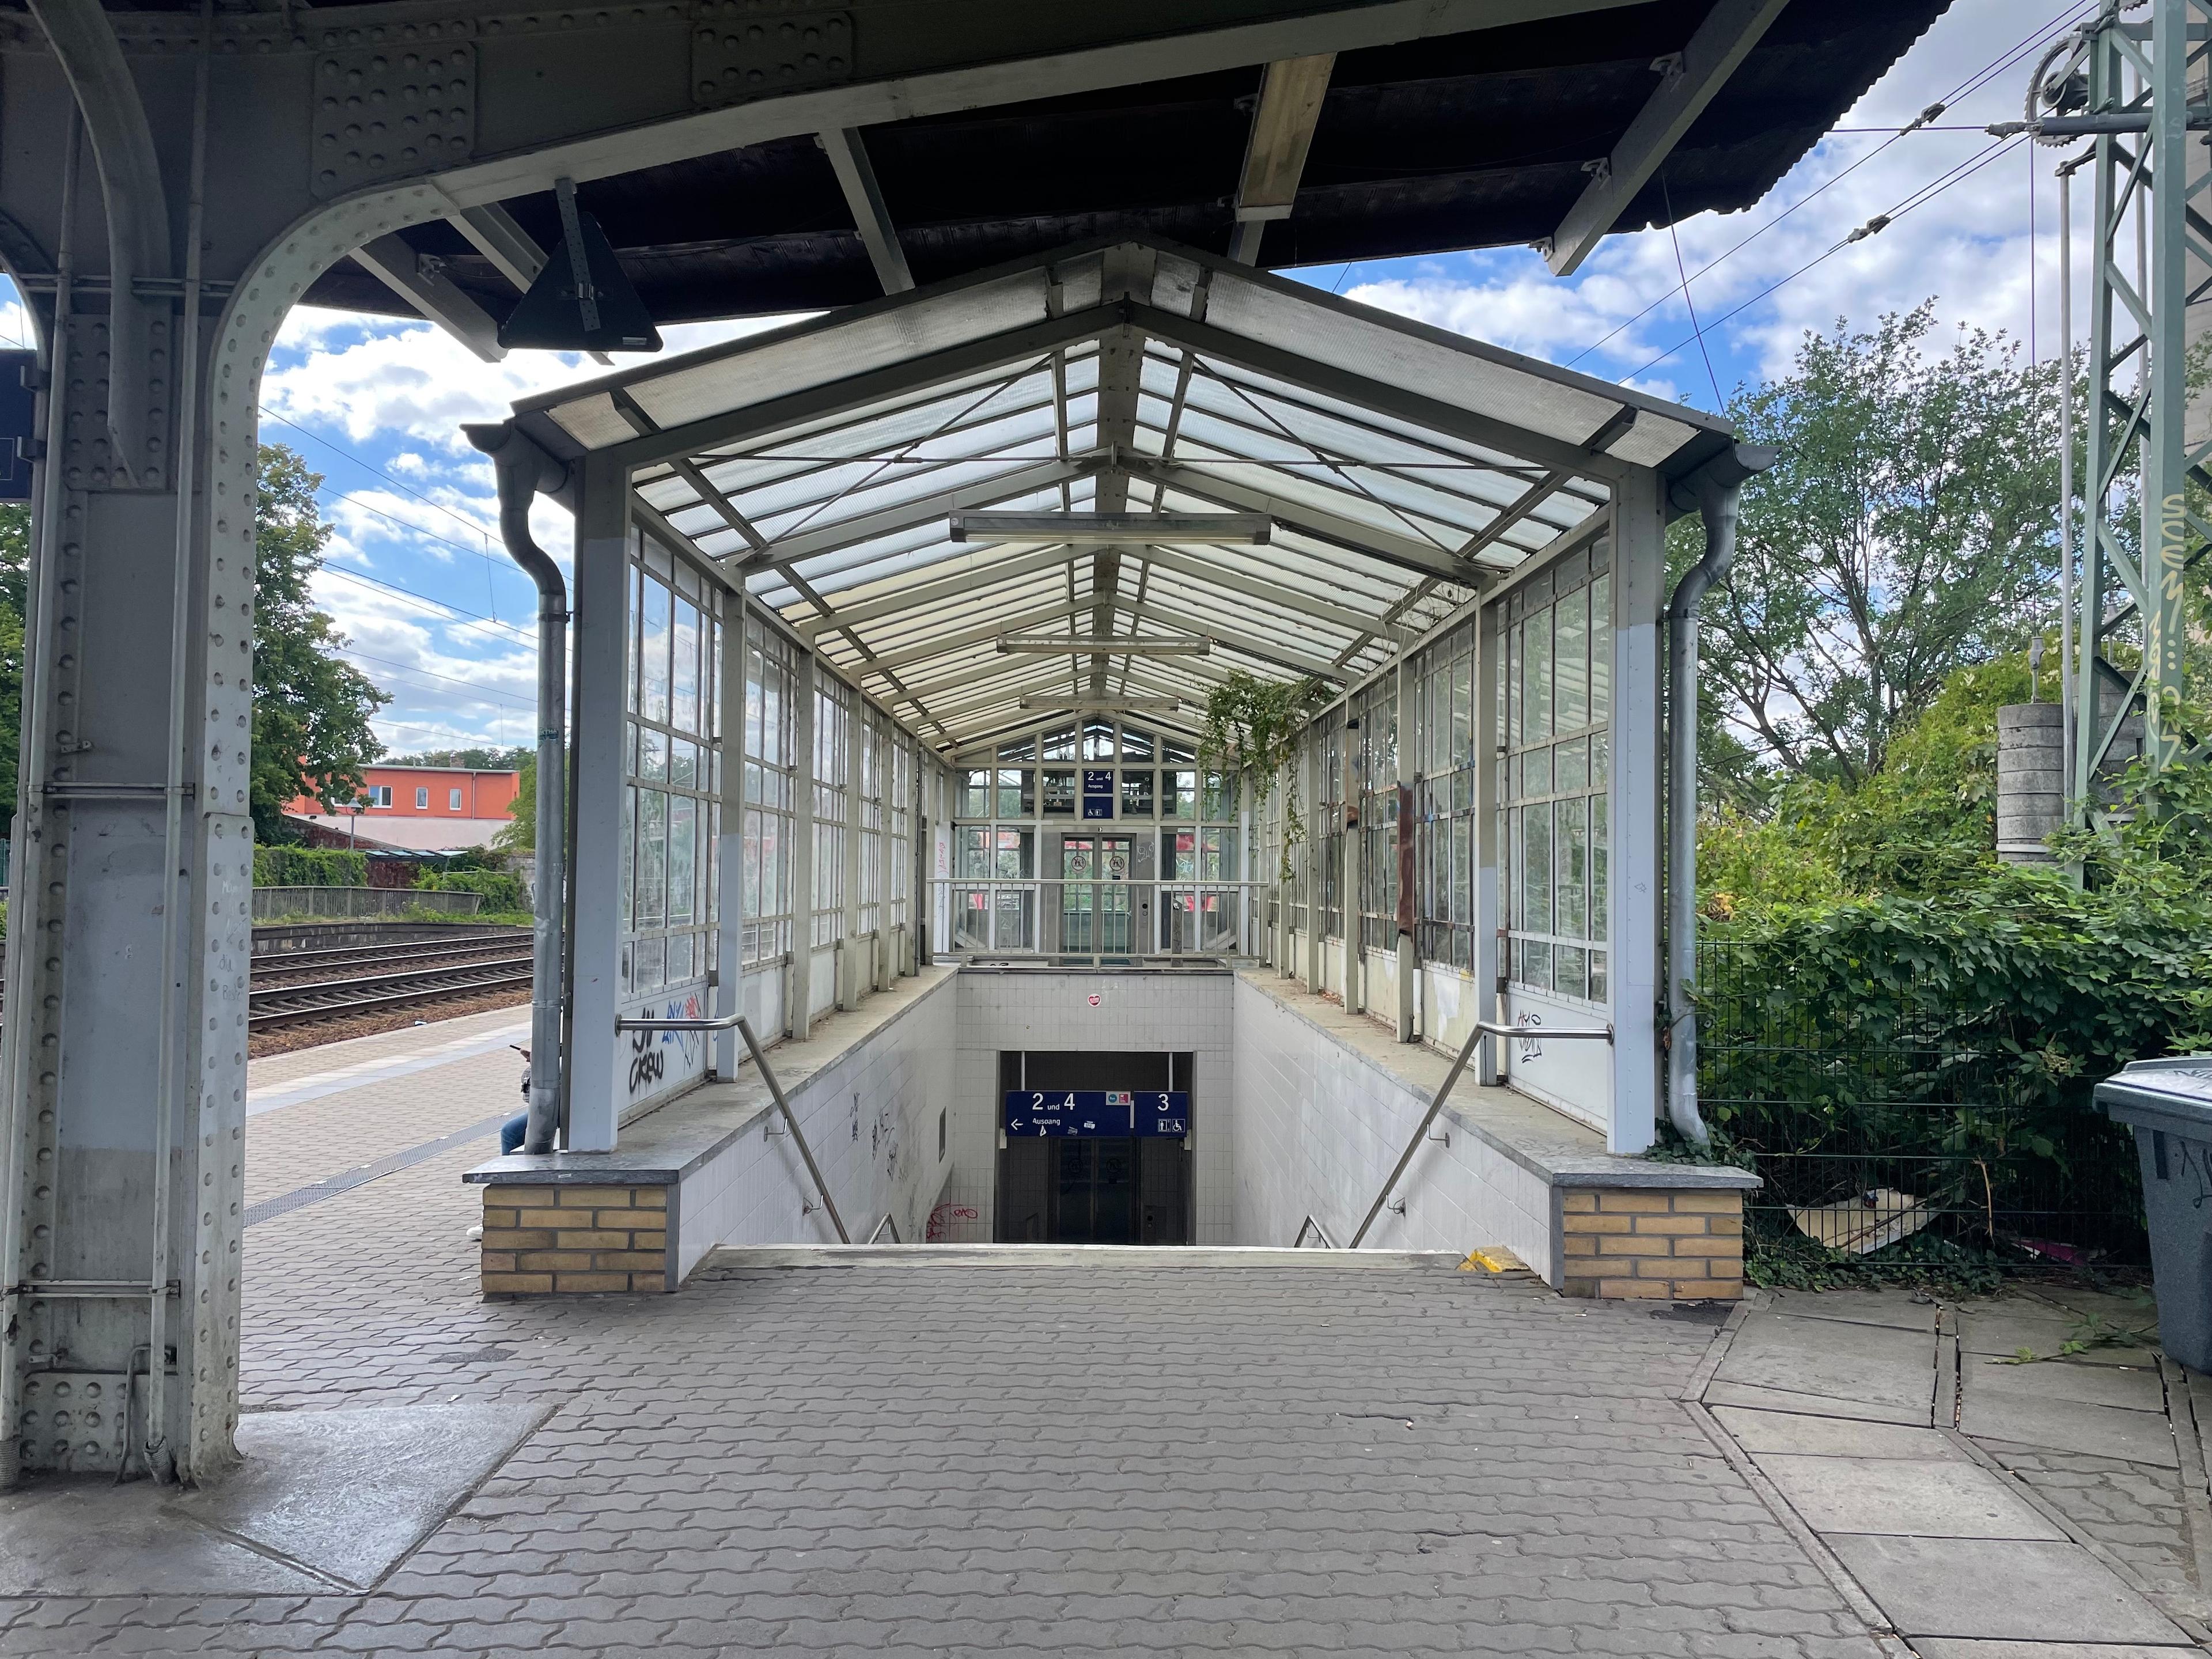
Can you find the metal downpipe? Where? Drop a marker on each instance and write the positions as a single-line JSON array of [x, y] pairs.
[[1715, 492], [523, 469]]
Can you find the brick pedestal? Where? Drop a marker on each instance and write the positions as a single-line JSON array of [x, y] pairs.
[[575, 1241], [1665, 1246]]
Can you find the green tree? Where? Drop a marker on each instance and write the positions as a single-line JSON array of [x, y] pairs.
[[311, 708], [1909, 528], [474, 760], [521, 835]]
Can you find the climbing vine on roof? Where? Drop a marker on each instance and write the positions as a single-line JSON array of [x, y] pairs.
[[1251, 732]]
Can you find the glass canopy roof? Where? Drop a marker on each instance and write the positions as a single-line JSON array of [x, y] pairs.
[[1401, 469]]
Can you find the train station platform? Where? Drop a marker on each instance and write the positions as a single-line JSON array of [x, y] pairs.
[[1009, 1451]]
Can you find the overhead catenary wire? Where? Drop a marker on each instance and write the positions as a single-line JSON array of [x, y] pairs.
[[452, 612], [1880, 222], [489, 694], [1667, 196], [1972, 84]]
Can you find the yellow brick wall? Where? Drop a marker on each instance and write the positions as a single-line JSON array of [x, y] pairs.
[[1669, 1246], [551, 1241]]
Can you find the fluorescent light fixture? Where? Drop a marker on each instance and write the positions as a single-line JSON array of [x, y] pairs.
[[1107, 529], [1106, 645]]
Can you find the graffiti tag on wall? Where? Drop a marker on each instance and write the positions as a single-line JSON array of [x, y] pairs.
[[648, 1050]]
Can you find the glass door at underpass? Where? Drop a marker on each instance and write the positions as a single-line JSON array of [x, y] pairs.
[[1096, 1149], [1097, 912]]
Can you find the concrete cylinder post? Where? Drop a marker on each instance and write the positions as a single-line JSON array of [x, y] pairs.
[[2031, 780]]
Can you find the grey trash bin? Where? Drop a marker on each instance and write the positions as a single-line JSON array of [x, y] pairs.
[[2168, 1102]]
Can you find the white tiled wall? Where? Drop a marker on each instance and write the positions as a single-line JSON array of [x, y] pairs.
[[1318, 1128], [871, 1119], [1077, 1009], [1285, 1120]]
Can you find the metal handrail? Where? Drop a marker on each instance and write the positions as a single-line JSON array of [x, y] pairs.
[[744, 1030], [1482, 1029], [1310, 1225], [1177, 897], [880, 1225]]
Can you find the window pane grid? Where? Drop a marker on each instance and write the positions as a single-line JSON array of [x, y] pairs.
[[1554, 732], [672, 817]]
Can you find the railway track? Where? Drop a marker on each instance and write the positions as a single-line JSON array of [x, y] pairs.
[[299, 1002], [294, 967], [298, 987]]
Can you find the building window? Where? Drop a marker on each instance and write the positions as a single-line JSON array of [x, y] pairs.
[[453, 800], [422, 800], [1554, 717], [975, 793], [771, 749], [833, 719], [1136, 794], [995, 918], [1443, 800], [671, 824], [901, 805], [1328, 828], [1059, 798], [378, 794], [875, 766], [1375, 778]]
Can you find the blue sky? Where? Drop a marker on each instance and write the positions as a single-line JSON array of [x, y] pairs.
[[439, 617]]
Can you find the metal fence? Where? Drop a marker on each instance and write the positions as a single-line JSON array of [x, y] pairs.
[[271, 903], [1911, 1120]]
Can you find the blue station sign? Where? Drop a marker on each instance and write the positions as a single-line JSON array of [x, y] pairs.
[[1098, 1113], [1097, 793]]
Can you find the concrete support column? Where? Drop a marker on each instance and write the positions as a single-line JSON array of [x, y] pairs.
[[1408, 953], [1489, 915], [596, 1066], [730, 954], [1639, 601], [798, 995]]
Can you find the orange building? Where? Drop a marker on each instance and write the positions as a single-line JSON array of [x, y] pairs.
[[463, 808]]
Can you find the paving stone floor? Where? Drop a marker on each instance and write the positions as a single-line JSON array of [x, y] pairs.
[[2053, 1509], [989, 1459], [1164, 1460]]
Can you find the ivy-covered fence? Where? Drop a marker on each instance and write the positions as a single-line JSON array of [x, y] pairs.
[[1945, 1052], [309, 867]]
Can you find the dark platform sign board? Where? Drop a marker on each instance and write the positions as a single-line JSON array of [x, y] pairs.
[[1097, 1113], [1097, 794]]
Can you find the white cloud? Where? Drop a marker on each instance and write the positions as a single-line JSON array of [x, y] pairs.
[[1967, 247], [373, 377]]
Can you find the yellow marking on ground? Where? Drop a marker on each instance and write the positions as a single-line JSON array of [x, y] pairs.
[[1493, 1259]]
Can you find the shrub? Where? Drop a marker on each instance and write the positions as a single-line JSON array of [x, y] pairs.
[[1948, 1046], [309, 867], [502, 890]]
